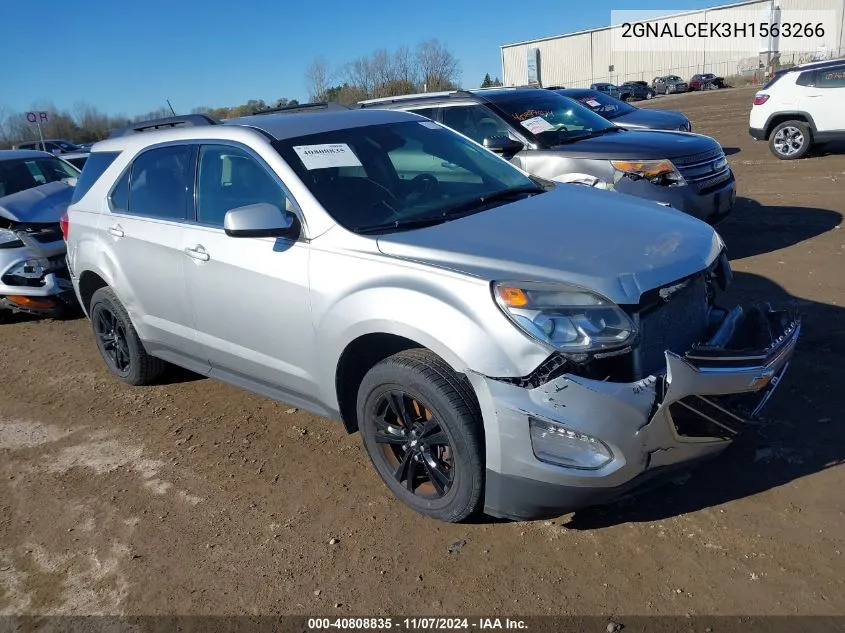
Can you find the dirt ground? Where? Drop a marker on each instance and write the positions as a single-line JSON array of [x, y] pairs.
[[196, 498]]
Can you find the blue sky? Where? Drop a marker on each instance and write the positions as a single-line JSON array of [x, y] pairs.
[[218, 52]]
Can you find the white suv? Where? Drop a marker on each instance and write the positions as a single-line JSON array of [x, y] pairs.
[[800, 107]]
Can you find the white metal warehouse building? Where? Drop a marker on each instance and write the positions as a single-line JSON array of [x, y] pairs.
[[585, 57]]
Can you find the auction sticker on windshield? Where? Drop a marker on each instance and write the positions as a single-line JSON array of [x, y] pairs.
[[537, 124], [326, 155], [592, 103]]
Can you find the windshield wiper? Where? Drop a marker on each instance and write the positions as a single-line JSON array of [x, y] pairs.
[[412, 223], [593, 134], [476, 204], [452, 213]]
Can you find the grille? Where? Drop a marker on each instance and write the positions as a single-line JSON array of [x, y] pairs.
[[704, 171], [675, 325]]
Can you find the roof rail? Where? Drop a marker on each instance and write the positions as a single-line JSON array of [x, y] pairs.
[[421, 95], [187, 120], [304, 107]]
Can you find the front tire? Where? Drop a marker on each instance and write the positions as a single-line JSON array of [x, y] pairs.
[[791, 140], [118, 342], [422, 429]]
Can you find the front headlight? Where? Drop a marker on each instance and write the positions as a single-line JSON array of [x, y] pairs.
[[31, 269], [657, 171], [564, 317], [9, 239]]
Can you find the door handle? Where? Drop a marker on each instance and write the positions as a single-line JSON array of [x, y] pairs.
[[116, 230], [198, 252]]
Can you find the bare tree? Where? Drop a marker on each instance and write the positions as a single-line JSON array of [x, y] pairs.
[[404, 66], [317, 78], [438, 67]]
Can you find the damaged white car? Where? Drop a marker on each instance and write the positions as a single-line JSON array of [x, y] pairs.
[[502, 343], [35, 190]]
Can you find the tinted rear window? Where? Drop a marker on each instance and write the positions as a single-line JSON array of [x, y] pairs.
[[774, 79], [92, 169]]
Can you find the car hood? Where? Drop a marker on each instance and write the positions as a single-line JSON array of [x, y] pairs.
[[651, 119], [611, 243], [639, 145], [39, 205]]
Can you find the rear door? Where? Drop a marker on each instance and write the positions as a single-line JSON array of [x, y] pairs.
[[144, 229], [824, 99]]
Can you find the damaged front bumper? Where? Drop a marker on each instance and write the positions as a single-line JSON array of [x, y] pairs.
[[650, 427], [35, 280]]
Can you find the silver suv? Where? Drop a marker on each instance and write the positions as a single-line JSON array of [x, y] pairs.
[[501, 342]]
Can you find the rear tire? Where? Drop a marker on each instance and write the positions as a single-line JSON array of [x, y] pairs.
[[119, 343], [791, 140], [422, 429]]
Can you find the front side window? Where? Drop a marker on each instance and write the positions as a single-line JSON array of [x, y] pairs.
[[476, 122], [160, 180], [229, 177], [552, 118], [397, 175], [831, 78], [22, 174]]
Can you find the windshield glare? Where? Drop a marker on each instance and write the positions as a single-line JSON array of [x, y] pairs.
[[602, 104], [396, 172], [553, 118], [20, 175]]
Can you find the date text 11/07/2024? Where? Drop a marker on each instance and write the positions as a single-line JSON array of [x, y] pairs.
[[431, 623]]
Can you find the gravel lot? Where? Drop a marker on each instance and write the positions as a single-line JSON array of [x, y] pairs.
[[196, 498]]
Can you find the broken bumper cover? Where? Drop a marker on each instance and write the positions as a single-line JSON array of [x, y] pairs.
[[51, 299], [651, 428]]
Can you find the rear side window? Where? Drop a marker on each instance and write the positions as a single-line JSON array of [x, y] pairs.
[[92, 169], [831, 78], [807, 78], [160, 181], [119, 197]]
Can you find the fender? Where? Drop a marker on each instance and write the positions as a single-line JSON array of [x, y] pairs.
[[466, 330], [786, 115]]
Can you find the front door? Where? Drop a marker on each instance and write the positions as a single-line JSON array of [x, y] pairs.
[[249, 295], [825, 100]]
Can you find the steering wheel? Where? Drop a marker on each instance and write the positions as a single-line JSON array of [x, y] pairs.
[[424, 182]]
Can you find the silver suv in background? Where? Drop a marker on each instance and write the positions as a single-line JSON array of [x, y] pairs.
[[501, 342], [35, 190], [558, 138]]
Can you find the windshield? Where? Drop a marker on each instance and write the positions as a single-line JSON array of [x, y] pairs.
[[600, 103], [399, 173], [553, 118], [22, 174]]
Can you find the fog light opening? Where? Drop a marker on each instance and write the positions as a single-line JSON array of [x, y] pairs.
[[556, 444]]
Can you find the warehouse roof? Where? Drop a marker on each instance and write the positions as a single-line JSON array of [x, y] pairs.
[[610, 26]]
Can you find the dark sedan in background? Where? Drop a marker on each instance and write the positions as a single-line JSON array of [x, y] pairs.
[[635, 91], [707, 81], [626, 115]]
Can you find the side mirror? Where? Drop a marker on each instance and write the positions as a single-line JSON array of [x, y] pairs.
[[503, 145], [261, 220]]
